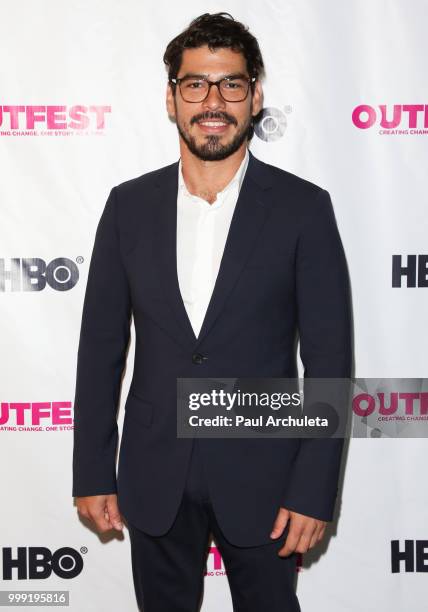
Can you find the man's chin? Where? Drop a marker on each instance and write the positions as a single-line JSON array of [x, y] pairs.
[[212, 147], [213, 154], [214, 150]]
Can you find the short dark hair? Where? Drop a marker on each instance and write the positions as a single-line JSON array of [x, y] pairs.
[[217, 30]]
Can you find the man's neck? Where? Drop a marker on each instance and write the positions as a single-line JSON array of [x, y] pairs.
[[206, 178]]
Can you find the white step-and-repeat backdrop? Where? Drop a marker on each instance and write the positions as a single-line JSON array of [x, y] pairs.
[[82, 109]]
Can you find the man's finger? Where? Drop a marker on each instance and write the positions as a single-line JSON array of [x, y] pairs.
[[291, 541], [321, 533], [102, 524], [113, 514], [318, 535], [280, 523], [305, 540], [315, 538]]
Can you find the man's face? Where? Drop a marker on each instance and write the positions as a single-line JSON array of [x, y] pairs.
[[208, 143]]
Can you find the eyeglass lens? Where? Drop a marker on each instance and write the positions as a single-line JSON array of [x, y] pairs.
[[195, 90]]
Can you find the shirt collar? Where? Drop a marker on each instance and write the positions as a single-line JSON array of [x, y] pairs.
[[236, 180]]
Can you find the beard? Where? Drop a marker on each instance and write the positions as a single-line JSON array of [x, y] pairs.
[[212, 149]]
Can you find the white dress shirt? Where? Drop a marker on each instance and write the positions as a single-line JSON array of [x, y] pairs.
[[202, 230]]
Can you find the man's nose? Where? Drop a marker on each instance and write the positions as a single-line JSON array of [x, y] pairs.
[[214, 99]]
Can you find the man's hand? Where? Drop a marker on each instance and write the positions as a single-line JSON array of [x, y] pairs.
[[102, 510], [303, 534]]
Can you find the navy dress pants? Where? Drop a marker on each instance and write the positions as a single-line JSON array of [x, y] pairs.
[[168, 570]]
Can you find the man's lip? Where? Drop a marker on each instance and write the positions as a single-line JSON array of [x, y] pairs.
[[213, 121], [221, 128]]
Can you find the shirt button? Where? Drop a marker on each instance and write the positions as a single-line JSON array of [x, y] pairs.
[[198, 358]]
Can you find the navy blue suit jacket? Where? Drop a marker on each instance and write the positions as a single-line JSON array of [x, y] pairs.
[[283, 272]]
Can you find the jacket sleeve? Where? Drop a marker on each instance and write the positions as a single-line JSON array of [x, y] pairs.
[[324, 322], [104, 337]]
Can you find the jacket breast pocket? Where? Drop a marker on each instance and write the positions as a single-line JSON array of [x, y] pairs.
[[139, 409]]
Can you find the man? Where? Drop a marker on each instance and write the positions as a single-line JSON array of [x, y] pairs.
[[221, 258]]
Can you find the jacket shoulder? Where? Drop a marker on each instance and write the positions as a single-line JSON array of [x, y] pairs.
[[297, 198], [284, 178], [148, 180]]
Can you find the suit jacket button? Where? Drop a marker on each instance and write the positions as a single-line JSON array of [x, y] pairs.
[[198, 358]]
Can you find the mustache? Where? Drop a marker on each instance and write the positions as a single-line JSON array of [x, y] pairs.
[[213, 117]]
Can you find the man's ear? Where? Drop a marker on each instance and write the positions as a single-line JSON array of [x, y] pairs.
[[170, 106], [257, 100]]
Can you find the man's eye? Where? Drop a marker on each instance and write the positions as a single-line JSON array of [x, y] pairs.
[[233, 84], [194, 84]]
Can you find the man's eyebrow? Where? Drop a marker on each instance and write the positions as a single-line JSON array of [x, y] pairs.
[[234, 75]]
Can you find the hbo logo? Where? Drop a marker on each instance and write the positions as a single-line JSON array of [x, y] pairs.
[[37, 562], [32, 274]]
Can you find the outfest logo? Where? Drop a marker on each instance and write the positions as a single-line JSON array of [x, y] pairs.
[[215, 566], [53, 120], [392, 406], [392, 119], [36, 416]]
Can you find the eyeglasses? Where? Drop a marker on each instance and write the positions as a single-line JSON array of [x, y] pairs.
[[231, 89]]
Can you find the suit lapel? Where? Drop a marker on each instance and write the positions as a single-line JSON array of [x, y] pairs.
[[251, 211]]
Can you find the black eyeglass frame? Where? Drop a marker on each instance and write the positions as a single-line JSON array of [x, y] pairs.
[[177, 81]]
